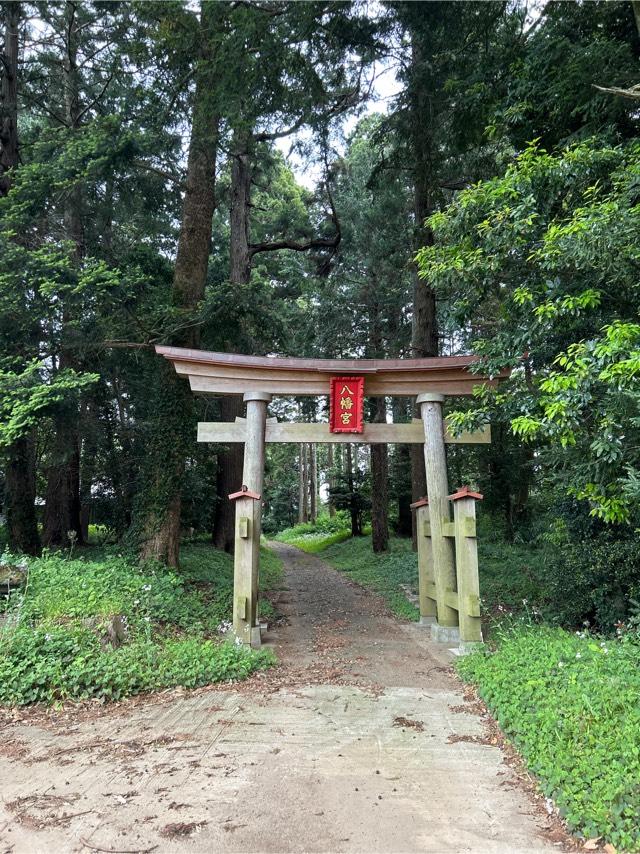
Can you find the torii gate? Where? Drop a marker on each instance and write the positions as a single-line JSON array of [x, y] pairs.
[[447, 551]]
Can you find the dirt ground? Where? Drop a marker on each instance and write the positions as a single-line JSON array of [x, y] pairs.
[[362, 740]]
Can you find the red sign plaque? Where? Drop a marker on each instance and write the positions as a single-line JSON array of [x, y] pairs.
[[347, 404]]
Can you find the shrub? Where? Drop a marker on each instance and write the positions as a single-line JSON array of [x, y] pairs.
[[340, 522], [57, 662], [569, 703], [53, 645], [593, 580]]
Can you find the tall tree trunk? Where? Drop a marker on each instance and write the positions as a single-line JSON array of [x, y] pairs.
[[9, 152], [379, 486], [356, 527], [424, 329], [239, 254], [402, 467], [88, 460], [313, 483], [230, 460], [157, 520], [119, 465], [332, 479], [228, 480], [20, 486], [379, 452], [20, 473], [61, 524], [62, 508]]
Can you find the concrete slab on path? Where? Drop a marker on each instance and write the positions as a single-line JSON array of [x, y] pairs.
[[361, 741]]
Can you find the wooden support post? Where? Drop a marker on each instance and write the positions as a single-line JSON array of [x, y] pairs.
[[249, 523], [243, 586], [464, 515], [435, 462], [426, 577]]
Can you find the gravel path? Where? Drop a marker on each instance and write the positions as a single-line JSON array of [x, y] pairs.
[[362, 740]]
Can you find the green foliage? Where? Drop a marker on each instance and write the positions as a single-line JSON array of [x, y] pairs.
[[54, 663], [314, 536], [549, 253], [570, 705], [511, 574], [593, 580], [551, 92], [313, 541], [53, 644]]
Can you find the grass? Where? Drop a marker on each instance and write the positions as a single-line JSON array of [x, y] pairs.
[[313, 542], [569, 703], [55, 642], [313, 537]]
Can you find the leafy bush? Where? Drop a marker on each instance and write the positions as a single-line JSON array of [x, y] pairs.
[[316, 541], [313, 537], [337, 523], [56, 662], [53, 645], [593, 580], [510, 574], [569, 702]]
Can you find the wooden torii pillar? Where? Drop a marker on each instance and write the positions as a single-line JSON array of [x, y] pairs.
[[246, 566], [449, 603]]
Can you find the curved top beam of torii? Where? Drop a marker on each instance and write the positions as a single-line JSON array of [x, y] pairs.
[[233, 373]]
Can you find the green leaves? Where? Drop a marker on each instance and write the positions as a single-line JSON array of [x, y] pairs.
[[569, 703], [544, 260], [29, 394], [53, 647]]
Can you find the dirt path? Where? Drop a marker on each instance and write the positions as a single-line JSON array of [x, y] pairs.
[[361, 741]]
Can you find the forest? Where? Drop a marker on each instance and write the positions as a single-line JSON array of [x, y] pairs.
[[236, 178], [325, 180]]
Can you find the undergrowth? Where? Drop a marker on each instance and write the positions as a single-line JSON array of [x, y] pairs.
[[569, 702], [56, 645]]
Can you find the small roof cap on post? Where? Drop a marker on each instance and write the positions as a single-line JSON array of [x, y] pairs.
[[465, 492], [244, 492], [421, 502]]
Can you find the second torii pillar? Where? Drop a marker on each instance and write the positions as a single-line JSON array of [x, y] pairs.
[[435, 461], [246, 566]]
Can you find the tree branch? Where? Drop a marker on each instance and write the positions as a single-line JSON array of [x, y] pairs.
[[96, 99], [178, 181], [314, 243], [633, 93]]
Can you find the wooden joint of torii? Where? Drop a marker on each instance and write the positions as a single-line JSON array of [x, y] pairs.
[[448, 568]]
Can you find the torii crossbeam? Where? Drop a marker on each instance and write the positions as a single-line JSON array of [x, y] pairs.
[[451, 614]]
